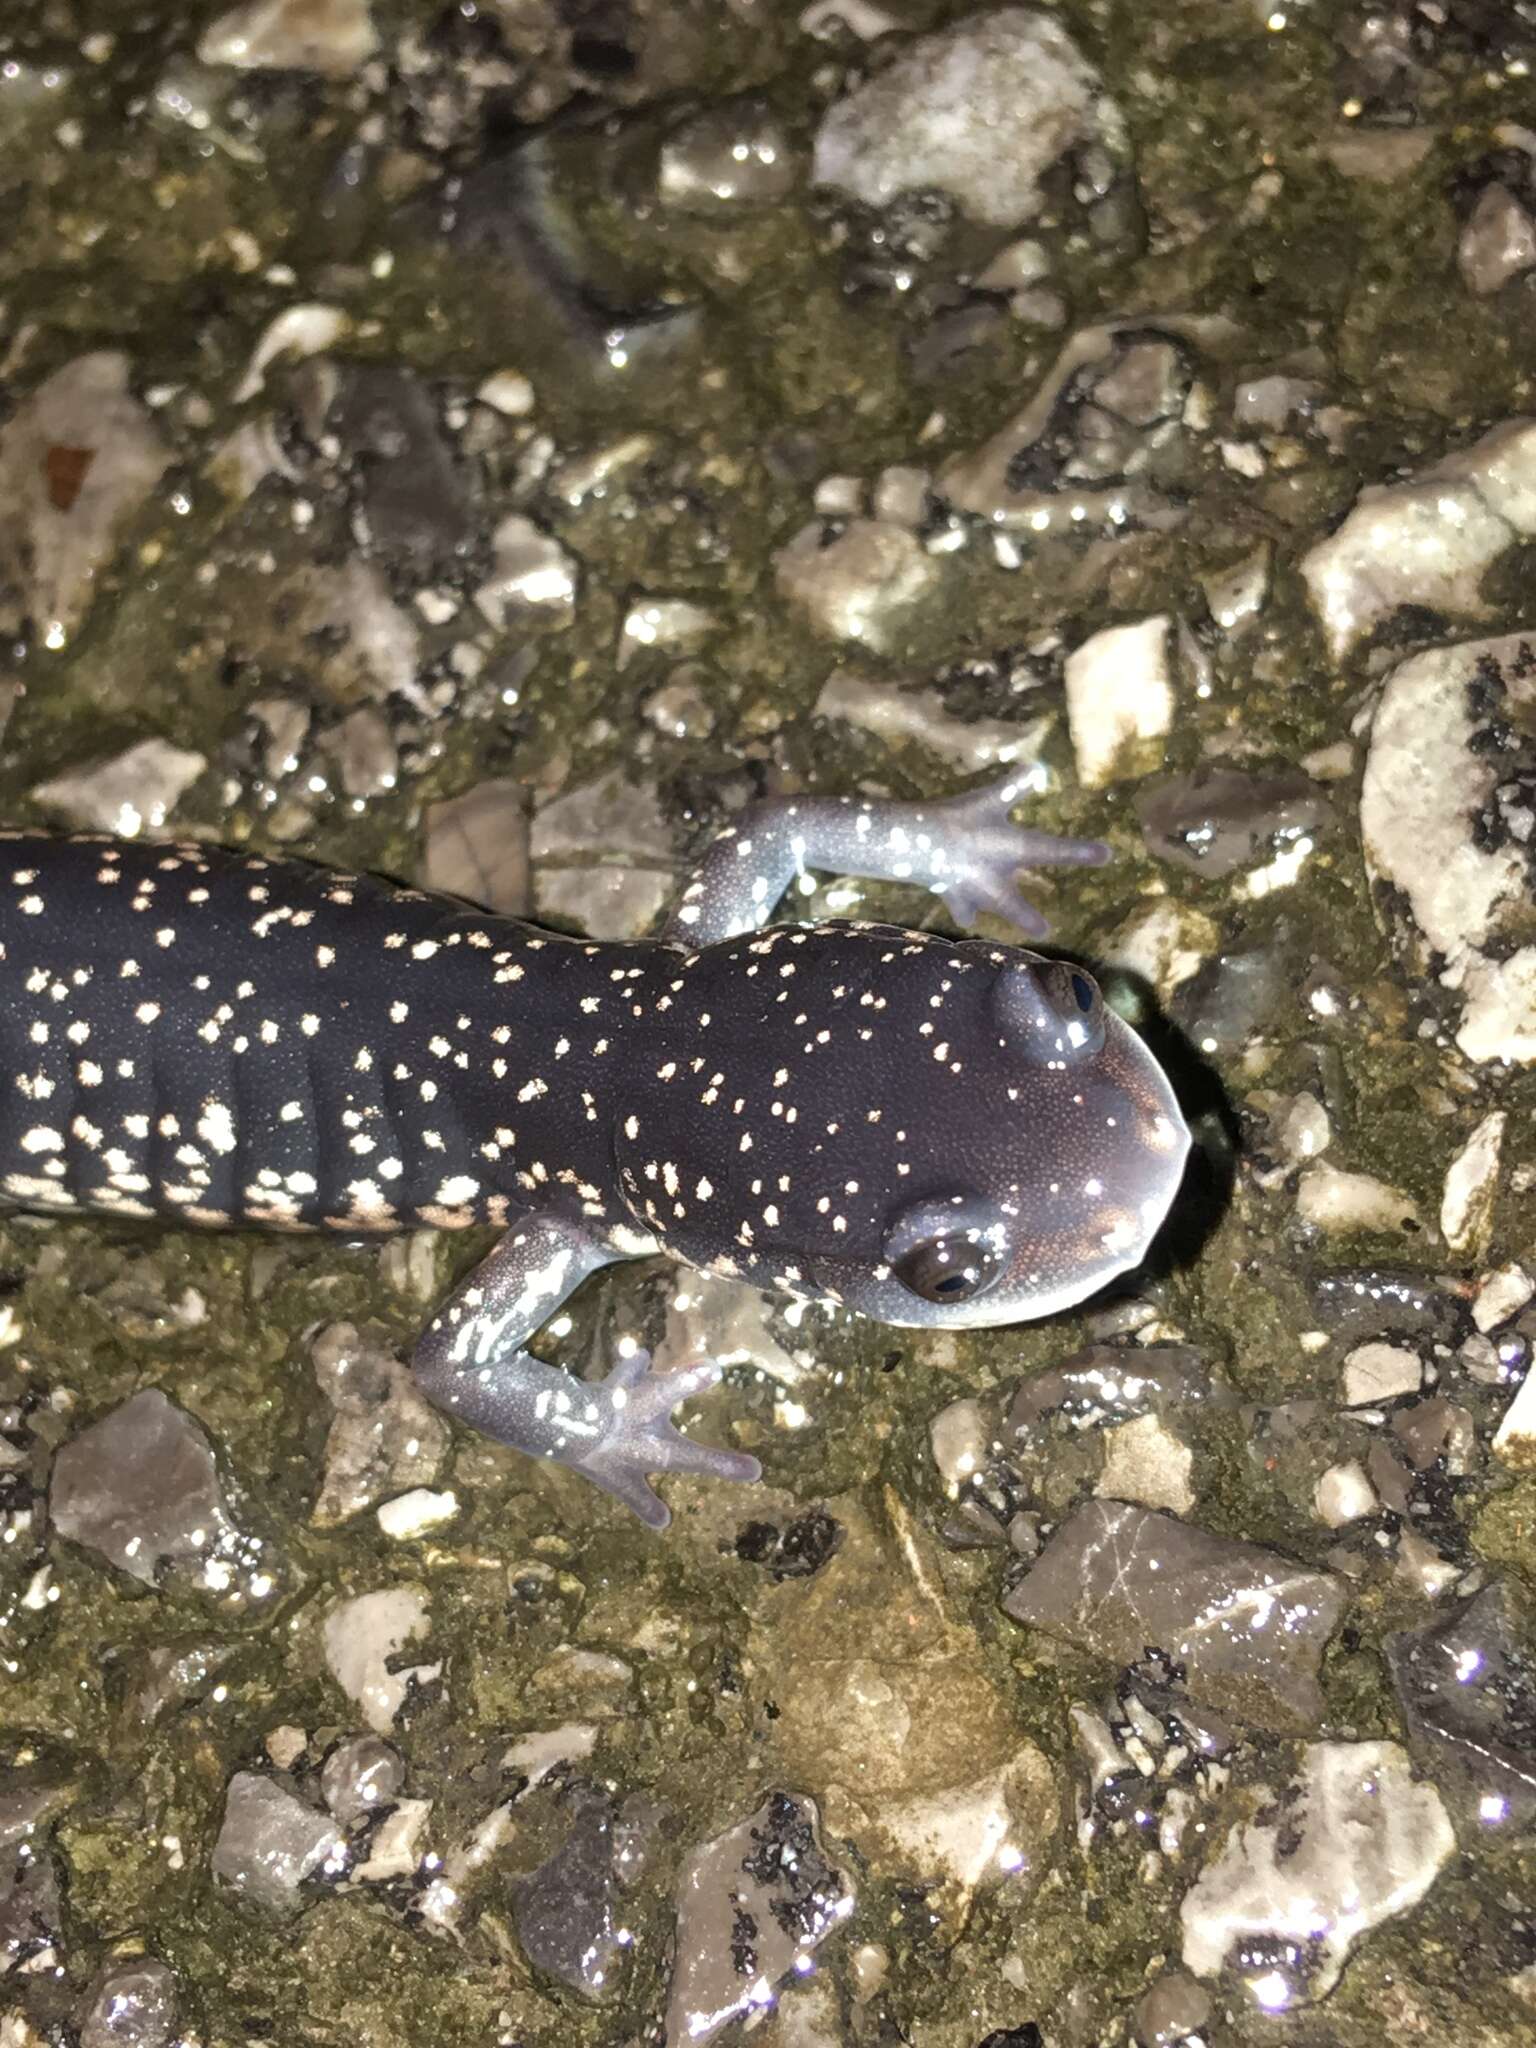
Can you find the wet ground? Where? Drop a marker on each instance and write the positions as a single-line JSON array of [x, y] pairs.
[[494, 443]]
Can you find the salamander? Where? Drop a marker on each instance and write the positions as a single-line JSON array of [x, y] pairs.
[[934, 1131]]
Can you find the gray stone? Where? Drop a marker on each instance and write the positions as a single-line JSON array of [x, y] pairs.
[[730, 158], [360, 1777], [568, 1913], [862, 586], [270, 1841], [385, 1437], [1467, 1686], [1215, 820], [132, 2004], [413, 498], [363, 749], [1497, 243], [980, 111], [753, 1905], [476, 846], [1248, 1625], [140, 1488]]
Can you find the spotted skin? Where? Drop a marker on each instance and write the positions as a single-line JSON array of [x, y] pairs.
[[933, 1131]]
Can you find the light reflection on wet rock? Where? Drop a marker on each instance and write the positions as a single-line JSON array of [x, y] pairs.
[[141, 1489], [1247, 1625], [1216, 820], [270, 1841], [1467, 1684], [361, 1777], [753, 1906], [1351, 1842]]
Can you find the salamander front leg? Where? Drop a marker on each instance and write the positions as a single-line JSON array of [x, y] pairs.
[[966, 849], [471, 1362]]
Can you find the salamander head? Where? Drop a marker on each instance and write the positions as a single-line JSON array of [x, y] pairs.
[[1038, 1168], [935, 1133]]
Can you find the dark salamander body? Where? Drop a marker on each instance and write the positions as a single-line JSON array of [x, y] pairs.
[[933, 1131]]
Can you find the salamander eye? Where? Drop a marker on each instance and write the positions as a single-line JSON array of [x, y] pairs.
[[949, 1248], [946, 1269], [1074, 996]]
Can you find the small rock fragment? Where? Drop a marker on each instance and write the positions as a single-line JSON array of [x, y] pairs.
[[673, 624], [270, 1841], [535, 1756], [1303, 1127], [413, 1514], [476, 846], [360, 1777], [1355, 1841], [132, 2004], [133, 792], [1171, 2010], [894, 715], [1467, 1685], [1329, 1199], [331, 37], [1497, 243], [1376, 1373], [1471, 1184], [729, 159], [569, 1912], [981, 111], [1120, 700], [1216, 820], [1501, 1295], [361, 1638], [1427, 541], [862, 586], [1166, 943], [1515, 1438], [1144, 1461], [140, 1488], [1344, 1494], [385, 1437], [1249, 1625], [533, 578], [397, 1845], [753, 1906], [603, 856], [363, 749], [77, 460]]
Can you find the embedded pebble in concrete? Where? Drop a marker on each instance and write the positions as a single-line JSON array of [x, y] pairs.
[[1444, 819], [980, 111], [1428, 541], [362, 1638], [133, 792], [384, 1437], [329, 36], [1498, 242], [753, 1906], [270, 1841], [897, 714], [476, 846], [1355, 1843], [1338, 1202], [1216, 820], [1471, 1186], [864, 584], [1120, 700], [732, 159], [533, 580], [361, 1777], [132, 2004], [603, 855], [141, 1489], [569, 1913], [1466, 1682], [78, 458], [1249, 1625]]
